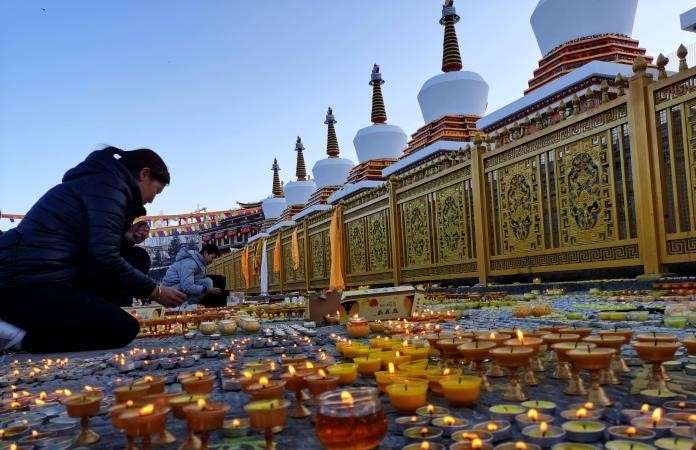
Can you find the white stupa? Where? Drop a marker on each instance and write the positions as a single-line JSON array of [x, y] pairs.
[[557, 21], [298, 192], [454, 92], [331, 171], [379, 140], [273, 206]]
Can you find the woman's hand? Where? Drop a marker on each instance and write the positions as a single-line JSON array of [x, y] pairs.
[[167, 296]]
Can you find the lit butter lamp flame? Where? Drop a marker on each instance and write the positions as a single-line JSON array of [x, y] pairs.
[[148, 379], [631, 432], [291, 370], [581, 413], [430, 409], [519, 445], [492, 335], [346, 398], [533, 415], [645, 408], [588, 406], [446, 371], [147, 410], [236, 423], [199, 375], [656, 417], [448, 420], [201, 403], [520, 336], [425, 445], [390, 368], [543, 428], [322, 374], [492, 427], [263, 381], [309, 365], [477, 444]]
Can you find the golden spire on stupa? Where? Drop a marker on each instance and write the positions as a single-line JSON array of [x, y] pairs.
[[331, 139], [277, 187], [451, 59], [379, 113], [301, 170]]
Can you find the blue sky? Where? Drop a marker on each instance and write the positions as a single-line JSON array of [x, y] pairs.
[[220, 88]]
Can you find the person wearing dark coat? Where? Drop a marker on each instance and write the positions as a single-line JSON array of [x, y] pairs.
[[69, 242]]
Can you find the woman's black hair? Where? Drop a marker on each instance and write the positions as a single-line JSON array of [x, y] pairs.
[[137, 160], [210, 249]]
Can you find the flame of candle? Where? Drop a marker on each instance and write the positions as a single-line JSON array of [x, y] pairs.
[[199, 375], [39, 402], [148, 379], [589, 406], [430, 409], [291, 370], [656, 417], [520, 445], [390, 368], [236, 423], [147, 410], [43, 395], [67, 392], [263, 381], [543, 428], [34, 434], [309, 365], [520, 335], [492, 426], [533, 415], [398, 354], [692, 418], [129, 404], [425, 445], [322, 373], [247, 374], [201, 403], [581, 413], [346, 398], [492, 335], [448, 420], [476, 443], [645, 408], [14, 447], [631, 431]]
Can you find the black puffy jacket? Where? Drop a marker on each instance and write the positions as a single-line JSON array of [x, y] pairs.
[[72, 236]]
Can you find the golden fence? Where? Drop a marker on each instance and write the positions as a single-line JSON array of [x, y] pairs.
[[607, 180]]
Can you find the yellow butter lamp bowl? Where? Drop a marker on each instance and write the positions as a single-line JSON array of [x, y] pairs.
[[347, 373], [368, 366], [462, 390], [408, 396]]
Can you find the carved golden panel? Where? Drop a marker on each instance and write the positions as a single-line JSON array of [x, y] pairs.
[[300, 272], [287, 264], [316, 250], [519, 207], [378, 241], [585, 197], [449, 223], [357, 252], [416, 226]]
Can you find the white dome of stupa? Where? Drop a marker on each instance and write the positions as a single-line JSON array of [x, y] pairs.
[[454, 92], [557, 21], [331, 171], [274, 206], [379, 140], [298, 192]]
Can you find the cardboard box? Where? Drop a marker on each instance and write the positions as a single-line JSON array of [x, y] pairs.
[[378, 304], [153, 312]]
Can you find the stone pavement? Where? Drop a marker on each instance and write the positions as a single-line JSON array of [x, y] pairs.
[[299, 433]]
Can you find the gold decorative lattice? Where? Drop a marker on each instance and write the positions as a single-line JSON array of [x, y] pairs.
[[519, 207], [378, 241], [357, 254], [585, 192], [449, 223], [316, 248], [416, 225]]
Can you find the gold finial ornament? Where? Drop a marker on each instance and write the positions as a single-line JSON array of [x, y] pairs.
[[589, 98], [681, 54], [451, 59], [331, 140], [277, 187], [562, 110], [379, 113], [639, 64], [576, 104], [301, 170], [661, 62]]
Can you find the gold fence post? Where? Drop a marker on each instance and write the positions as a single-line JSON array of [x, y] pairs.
[[306, 253], [281, 274], [645, 176], [394, 227], [478, 184]]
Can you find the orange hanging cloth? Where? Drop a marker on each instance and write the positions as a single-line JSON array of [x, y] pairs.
[[336, 281], [295, 250], [277, 255], [245, 267]]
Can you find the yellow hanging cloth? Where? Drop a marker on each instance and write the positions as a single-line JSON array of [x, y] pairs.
[[245, 267], [295, 250], [277, 255], [336, 281]]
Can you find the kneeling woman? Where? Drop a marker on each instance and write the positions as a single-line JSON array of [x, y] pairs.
[[67, 251]]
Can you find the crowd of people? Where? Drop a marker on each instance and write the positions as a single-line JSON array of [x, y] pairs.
[[72, 264]]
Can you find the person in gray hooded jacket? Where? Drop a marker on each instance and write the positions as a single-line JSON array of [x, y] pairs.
[[189, 274]]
